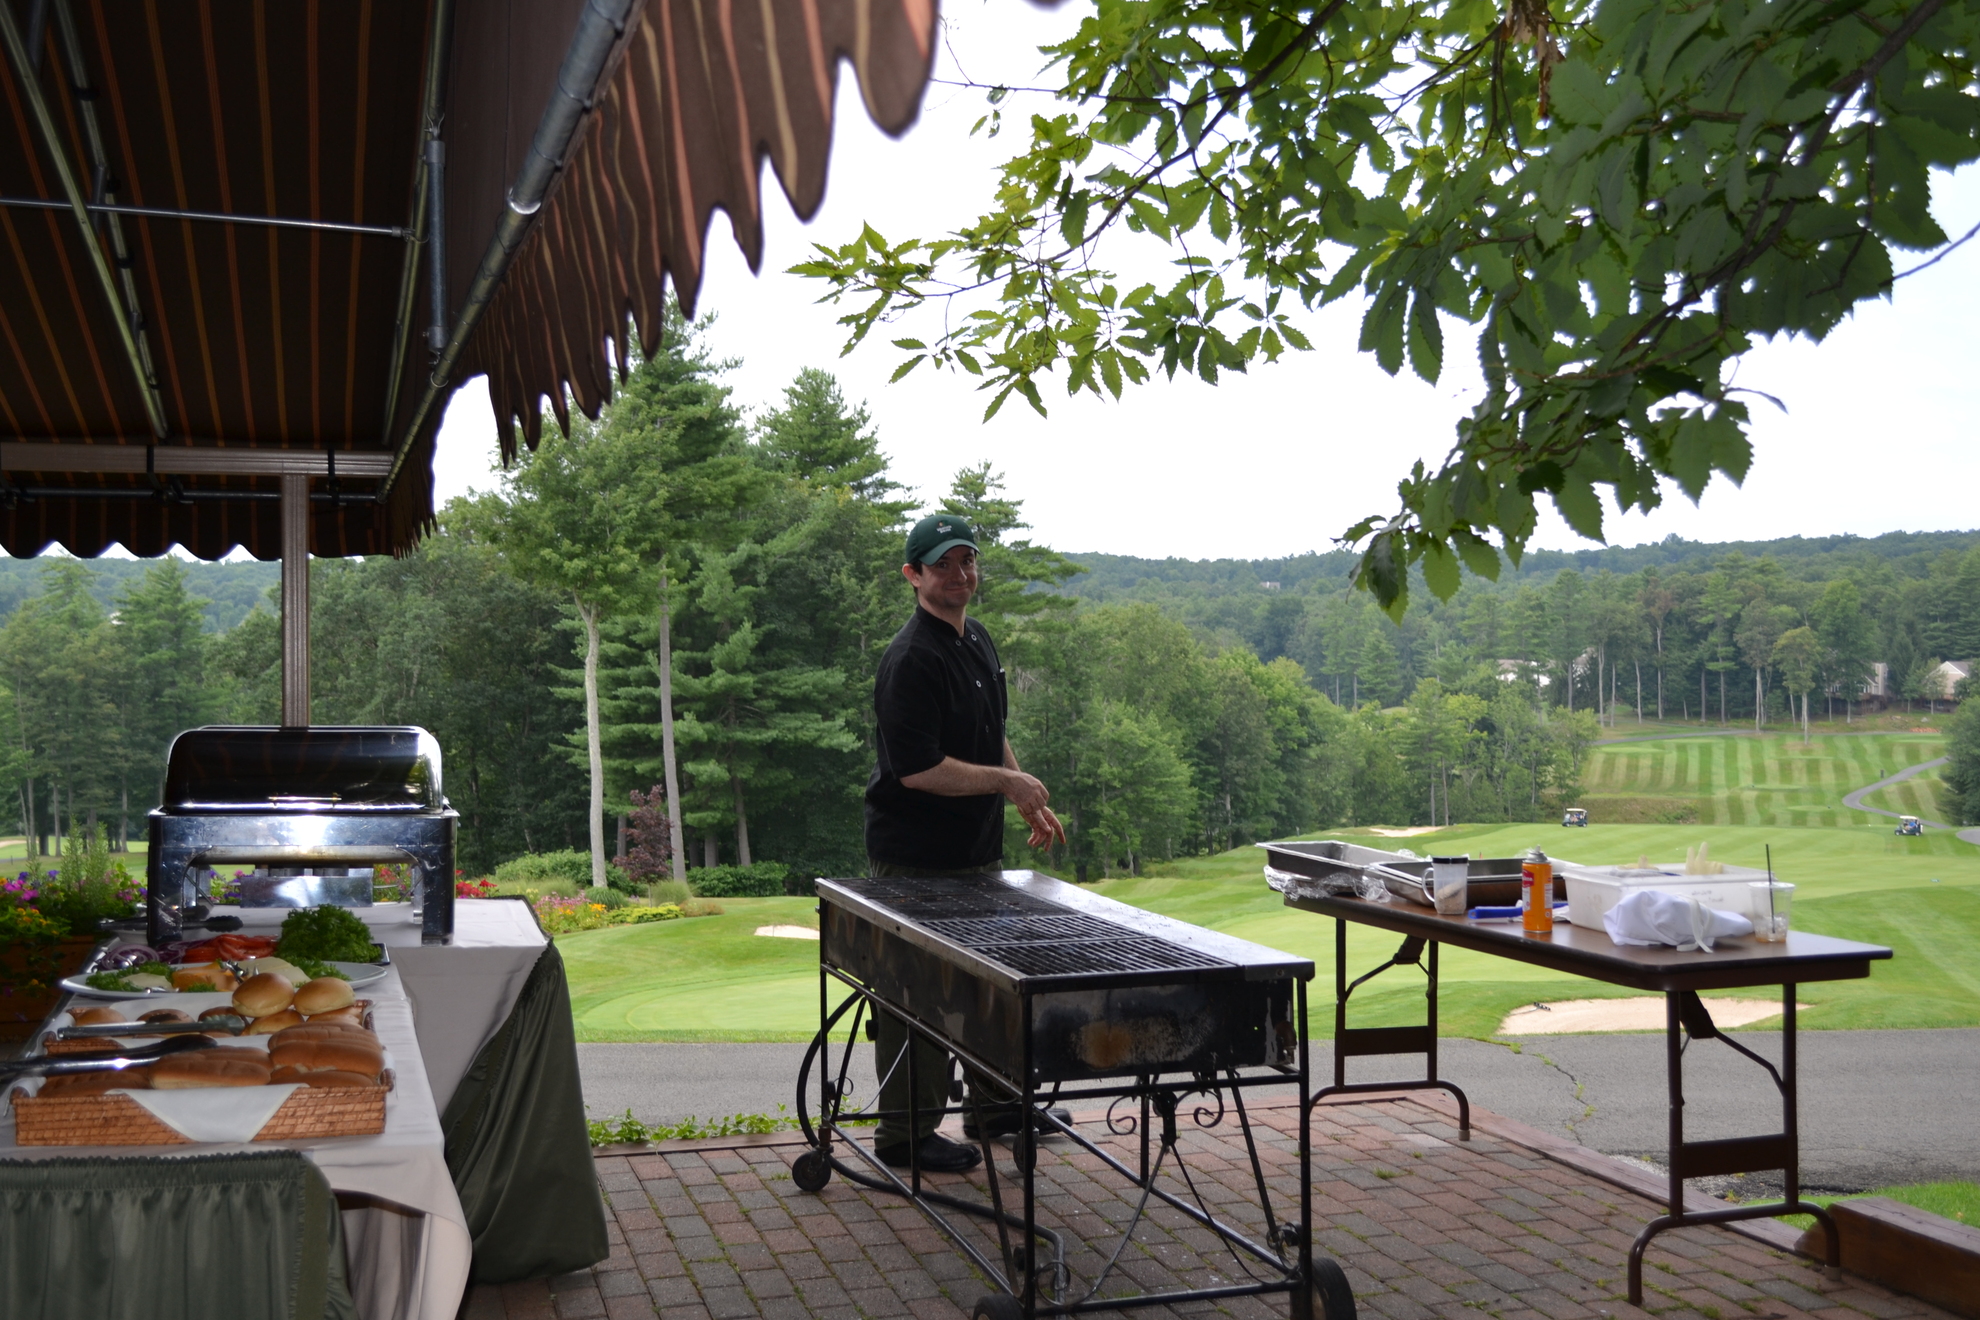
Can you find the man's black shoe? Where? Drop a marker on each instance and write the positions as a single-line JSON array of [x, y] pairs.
[[1004, 1122], [937, 1154]]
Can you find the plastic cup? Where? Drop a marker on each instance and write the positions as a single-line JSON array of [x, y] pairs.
[[1449, 884], [1770, 901]]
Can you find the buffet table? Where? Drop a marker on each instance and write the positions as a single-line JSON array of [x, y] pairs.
[[485, 1099], [1679, 975]]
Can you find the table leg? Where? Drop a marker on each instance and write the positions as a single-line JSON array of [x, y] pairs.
[[1685, 1013], [1349, 1042]]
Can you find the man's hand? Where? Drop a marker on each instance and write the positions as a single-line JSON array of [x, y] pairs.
[[953, 778], [1045, 827], [1026, 793]]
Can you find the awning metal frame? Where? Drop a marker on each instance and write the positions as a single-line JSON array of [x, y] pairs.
[[223, 217], [128, 326]]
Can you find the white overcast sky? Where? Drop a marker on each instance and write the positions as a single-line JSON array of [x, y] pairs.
[[1878, 437]]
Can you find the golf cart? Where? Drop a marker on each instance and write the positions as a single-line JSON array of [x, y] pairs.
[[1574, 816], [1909, 825]]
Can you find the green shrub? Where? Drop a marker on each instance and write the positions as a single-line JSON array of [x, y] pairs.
[[669, 891], [758, 880], [567, 866], [610, 897]]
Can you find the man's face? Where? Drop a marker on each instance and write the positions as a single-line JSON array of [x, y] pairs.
[[948, 583]]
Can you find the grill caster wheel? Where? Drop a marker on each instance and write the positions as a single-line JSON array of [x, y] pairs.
[[811, 1171], [996, 1306], [1329, 1298]]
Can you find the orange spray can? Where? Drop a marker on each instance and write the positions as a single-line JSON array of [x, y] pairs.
[[1536, 894]]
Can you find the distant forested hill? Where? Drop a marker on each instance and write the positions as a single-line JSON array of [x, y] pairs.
[[1811, 559], [231, 589]]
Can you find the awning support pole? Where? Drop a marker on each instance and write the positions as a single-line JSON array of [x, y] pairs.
[[295, 601]]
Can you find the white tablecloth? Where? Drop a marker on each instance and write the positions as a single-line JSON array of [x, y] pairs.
[[462, 992], [405, 1236]]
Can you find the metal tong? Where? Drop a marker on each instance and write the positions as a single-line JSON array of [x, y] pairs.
[[58, 1065], [231, 1026]]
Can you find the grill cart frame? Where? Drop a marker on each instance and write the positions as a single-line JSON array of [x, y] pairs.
[[1050, 995]]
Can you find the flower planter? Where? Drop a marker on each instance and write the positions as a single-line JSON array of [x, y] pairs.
[[41, 965]]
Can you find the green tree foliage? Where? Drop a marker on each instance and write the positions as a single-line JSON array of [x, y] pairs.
[[1619, 196], [1960, 793]]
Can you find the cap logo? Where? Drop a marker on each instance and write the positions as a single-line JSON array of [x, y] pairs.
[[941, 527]]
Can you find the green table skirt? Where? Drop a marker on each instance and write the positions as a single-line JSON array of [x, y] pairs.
[[517, 1144]]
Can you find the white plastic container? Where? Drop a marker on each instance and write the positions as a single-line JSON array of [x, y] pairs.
[[1593, 890]]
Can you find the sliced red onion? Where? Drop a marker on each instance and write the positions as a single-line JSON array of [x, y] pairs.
[[130, 955]]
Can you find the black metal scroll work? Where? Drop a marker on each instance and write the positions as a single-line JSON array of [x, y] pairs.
[[1350, 1042], [1685, 1015], [1083, 980]]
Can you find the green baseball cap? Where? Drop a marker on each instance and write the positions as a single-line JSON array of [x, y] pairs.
[[935, 535]]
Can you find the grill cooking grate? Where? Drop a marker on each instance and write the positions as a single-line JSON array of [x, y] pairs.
[[919, 900], [1032, 936], [1087, 958], [1016, 928]]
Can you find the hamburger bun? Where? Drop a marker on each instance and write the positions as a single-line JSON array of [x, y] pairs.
[[324, 995], [274, 1022], [199, 1069], [92, 1017], [220, 1011], [263, 994], [165, 1015], [96, 1083], [352, 1016], [213, 974]]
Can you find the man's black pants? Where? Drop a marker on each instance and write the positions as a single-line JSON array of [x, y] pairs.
[[890, 1039]]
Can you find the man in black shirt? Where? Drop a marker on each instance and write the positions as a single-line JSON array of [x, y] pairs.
[[935, 801]]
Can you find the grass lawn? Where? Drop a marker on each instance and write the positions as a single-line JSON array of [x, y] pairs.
[[1949, 1200], [710, 978], [702, 978]]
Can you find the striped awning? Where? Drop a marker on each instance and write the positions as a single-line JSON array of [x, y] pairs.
[[215, 233]]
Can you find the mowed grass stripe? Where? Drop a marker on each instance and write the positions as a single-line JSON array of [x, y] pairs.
[[1773, 781]]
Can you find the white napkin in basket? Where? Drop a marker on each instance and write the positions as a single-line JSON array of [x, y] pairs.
[[215, 1113]]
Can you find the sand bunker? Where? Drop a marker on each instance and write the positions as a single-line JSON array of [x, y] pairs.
[[788, 932], [1408, 832], [1645, 1014]]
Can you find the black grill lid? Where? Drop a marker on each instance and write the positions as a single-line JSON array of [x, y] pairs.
[[323, 768]]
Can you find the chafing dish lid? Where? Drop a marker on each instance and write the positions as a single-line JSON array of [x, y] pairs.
[[321, 768]]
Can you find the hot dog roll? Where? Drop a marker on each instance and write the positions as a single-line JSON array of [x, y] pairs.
[[263, 994], [329, 1056], [324, 994], [209, 1068], [96, 1083], [327, 1079], [274, 1022]]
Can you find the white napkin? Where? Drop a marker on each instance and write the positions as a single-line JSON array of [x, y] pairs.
[[215, 1113], [1651, 916]]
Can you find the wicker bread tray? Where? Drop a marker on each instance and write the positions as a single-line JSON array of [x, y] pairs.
[[118, 1120]]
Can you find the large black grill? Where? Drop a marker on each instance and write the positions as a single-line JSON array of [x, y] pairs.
[[1033, 976], [320, 797]]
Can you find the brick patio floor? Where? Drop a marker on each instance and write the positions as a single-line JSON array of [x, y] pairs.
[[1425, 1227]]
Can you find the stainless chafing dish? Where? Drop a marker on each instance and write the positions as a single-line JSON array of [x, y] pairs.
[[323, 796]]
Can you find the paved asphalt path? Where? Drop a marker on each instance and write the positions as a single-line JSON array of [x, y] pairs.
[[1877, 1107]]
